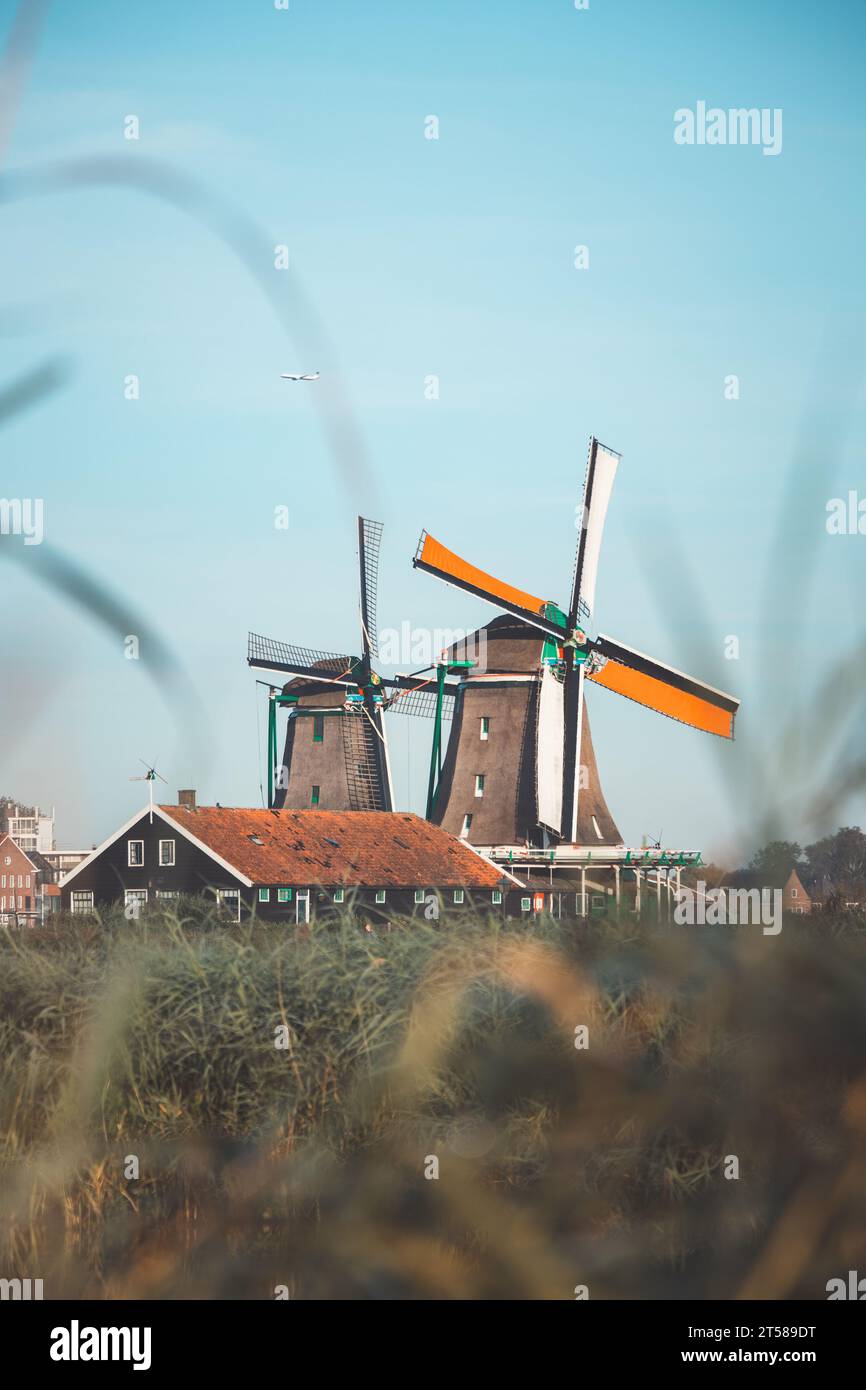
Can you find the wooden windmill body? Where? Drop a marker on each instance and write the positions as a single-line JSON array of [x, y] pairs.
[[335, 752]]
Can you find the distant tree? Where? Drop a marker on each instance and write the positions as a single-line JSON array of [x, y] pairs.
[[840, 861], [710, 874], [772, 864]]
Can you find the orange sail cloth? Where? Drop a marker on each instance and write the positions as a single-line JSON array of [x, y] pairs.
[[666, 699], [439, 557]]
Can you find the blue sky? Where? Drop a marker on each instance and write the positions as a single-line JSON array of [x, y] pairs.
[[451, 257]]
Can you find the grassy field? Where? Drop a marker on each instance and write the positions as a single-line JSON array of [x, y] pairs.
[[195, 1110]]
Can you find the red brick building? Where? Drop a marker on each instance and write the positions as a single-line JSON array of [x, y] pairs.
[[795, 898], [19, 881]]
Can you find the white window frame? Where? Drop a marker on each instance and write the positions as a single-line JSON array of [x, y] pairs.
[[302, 906], [496, 896], [264, 895], [419, 895], [134, 895], [459, 896], [76, 906], [167, 893], [526, 904], [284, 895], [479, 784], [339, 895], [793, 892], [129, 860], [485, 732], [167, 863], [466, 827], [597, 829], [380, 895]]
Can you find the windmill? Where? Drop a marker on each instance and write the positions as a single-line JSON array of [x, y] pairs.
[[336, 748], [149, 777], [520, 766]]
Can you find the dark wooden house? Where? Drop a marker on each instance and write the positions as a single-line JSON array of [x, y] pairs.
[[290, 865]]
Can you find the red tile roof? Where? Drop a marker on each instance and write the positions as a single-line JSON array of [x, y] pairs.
[[364, 849]]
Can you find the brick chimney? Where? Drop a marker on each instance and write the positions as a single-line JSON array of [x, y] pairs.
[[187, 798]]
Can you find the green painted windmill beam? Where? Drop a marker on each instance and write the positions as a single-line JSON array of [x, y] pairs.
[[443, 669]]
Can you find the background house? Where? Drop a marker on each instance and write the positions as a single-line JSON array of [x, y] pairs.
[[289, 866], [795, 896], [29, 827], [19, 884]]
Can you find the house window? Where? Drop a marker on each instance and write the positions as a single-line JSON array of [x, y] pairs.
[[496, 897], [458, 895], [3, 881], [135, 853], [135, 895], [314, 796], [27, 883], [380, 895], [20, 884], [485, 727], [479, 784], [264, 895], [165, 894], [419, 895], [318, 728], [339, 895], [166, 853], [525, 904], [81, 902], [595, 826], [230, 899], [467, 826], [793, 892], [284, 895]]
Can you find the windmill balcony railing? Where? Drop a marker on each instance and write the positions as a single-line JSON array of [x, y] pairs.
[[598, 856]]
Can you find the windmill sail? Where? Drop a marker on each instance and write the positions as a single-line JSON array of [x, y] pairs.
[[662, 688], [437, 559], [272, 655], [601, 467], [369, 540], [373, 788], [600, 474], [549, 750]]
